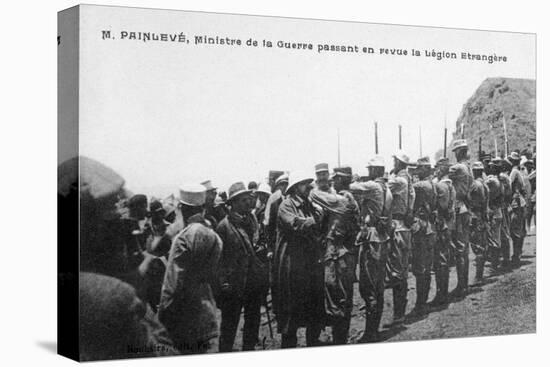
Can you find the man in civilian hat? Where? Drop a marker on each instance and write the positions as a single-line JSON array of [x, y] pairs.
[[375, 202], [242, 275], [479, 197], [423, 234], [503, 166], [342, 226], [517, 217], [322, 174], [400, 184], [187, 305], [211, 193], [299, 277], [444, 225], [461, 175]]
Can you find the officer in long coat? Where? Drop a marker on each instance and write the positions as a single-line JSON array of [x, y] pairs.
[[375, 200], [243, 276], [299, 270], [400, 184], [187, 306]]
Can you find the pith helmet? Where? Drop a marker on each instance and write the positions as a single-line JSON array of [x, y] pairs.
[[402, 156], [192, 195], [376, 161], [294, 178], [459, 143], [236, 189], [208, 185]]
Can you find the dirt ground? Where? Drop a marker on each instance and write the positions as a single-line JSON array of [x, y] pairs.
[[504, 304]]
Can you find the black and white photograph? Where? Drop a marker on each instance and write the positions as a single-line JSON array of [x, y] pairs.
[[249, 183]]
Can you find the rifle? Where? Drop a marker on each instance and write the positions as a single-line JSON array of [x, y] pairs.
[[505, 136], [420, 139], [375, 137], [445, 144], [479, 151], [400, 142]]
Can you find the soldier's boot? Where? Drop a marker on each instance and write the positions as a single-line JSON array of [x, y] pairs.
[[461, 289], [399, 304], [478, 280], [289, 340], [371, 333], [340, 332], [518, 247], [442, 287], [420, 307], [312, 335]]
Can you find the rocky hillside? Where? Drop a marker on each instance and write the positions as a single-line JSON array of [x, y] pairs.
[[497, 99]]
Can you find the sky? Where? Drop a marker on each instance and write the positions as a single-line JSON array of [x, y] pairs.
[[167, 114]]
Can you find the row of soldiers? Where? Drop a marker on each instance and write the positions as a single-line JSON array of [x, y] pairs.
[[305, 241]]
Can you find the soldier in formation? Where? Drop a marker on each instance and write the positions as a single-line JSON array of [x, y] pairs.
[[295, 247]]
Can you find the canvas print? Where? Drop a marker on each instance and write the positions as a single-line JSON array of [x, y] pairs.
[[244, 183]]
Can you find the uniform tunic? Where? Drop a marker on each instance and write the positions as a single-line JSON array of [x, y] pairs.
[[341, 213], [505, 237], [496, 197], [445, 223], [479, 195], [517, 216], [375, 200], [402, 205], [423, 233], [462, 179]]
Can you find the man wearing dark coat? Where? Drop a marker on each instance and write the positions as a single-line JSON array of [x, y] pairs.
[[298, 261], [243, 276]]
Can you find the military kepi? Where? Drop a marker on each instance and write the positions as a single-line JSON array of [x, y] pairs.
[[321, 167]]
